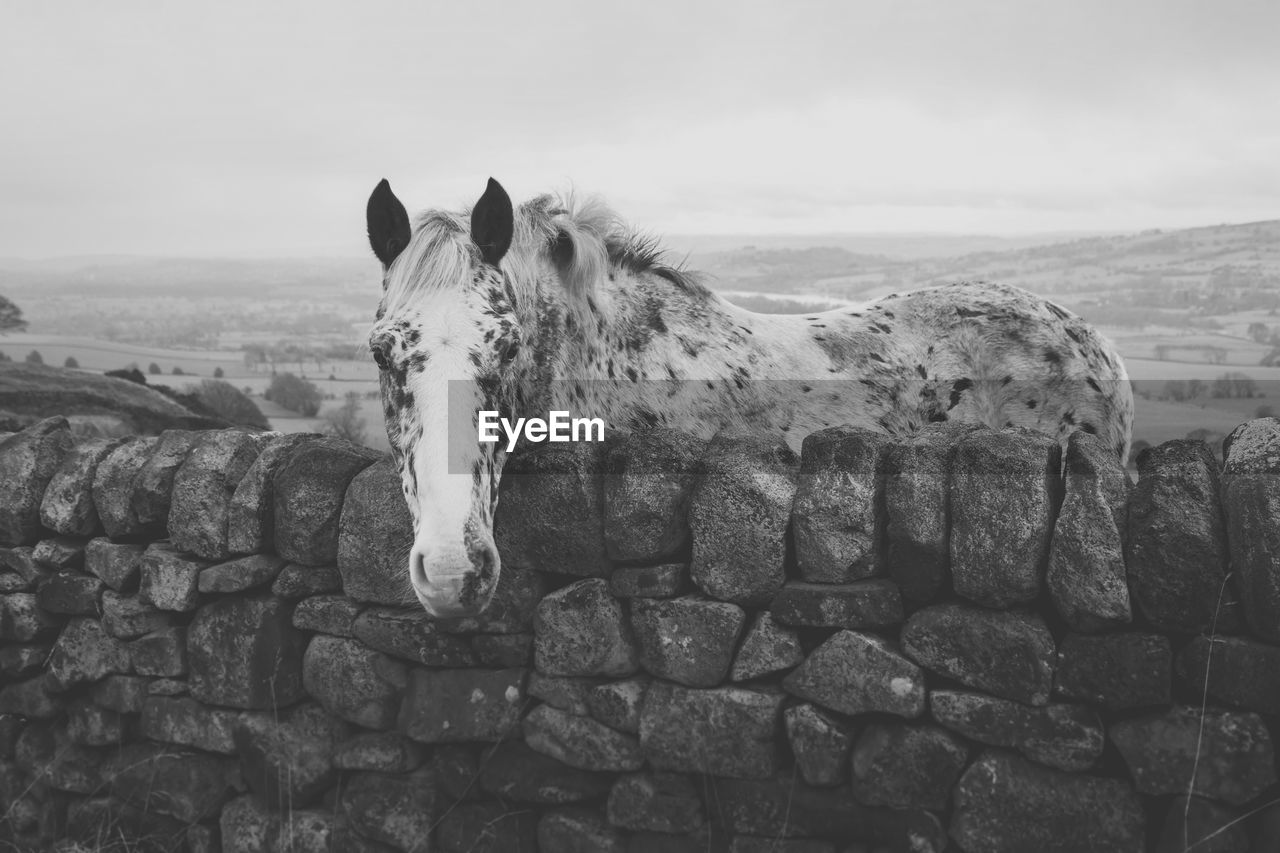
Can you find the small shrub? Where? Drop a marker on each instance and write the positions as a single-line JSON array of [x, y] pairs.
[[295, 394], [229, 403], [71, 362], [154, 369], [217, 373], [345, 421], [34, 357]]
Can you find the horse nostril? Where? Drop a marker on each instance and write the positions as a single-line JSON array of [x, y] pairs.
[[484, 560], [417, 569]]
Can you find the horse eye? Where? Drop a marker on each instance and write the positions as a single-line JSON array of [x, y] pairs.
[[380, 359]]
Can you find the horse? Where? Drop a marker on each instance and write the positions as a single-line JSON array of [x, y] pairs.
[[559, 305]]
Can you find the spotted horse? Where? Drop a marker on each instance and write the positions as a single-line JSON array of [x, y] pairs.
[[558, 305]]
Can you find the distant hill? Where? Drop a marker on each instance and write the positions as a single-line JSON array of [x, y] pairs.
[[94, 403]]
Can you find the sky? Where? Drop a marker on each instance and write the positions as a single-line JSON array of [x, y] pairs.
[[247, 128]]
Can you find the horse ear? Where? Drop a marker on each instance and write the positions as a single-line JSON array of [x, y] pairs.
[[492, 223], [388, 223]]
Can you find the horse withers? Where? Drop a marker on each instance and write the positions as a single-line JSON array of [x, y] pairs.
[[556, 305]]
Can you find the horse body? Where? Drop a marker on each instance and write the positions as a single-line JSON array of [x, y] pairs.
[[553, 306]]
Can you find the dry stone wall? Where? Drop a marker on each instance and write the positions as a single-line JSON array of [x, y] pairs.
[[962, 640]]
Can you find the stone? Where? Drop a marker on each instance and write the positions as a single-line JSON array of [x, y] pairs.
[[1176, 549], [286, 759], [118, 565], [648, 478], [1007, 654], [862, 605], [20, 661], [202, 491], [486, 828], [84, 654], [170, 579], [124, 694], [907, 766], [127, 616], [768, 647], [853, 673], [1203, 826], [245, 653], [58, 762], [30, 699], [185, 785], [250, 517], [1236, 671], [567, 694], [412, 635], [70, 593], [501, 651], [375, 533], [1235, 761], [59, 553], [328, 614], [152, 491], [726, 731], [167, 687], [13, 582], [186, 722], [22, 619], [1251, 503], [739, 514], [1065, 737], [67, 506], [665, 581], [1118, 671], [161, 653], [1252, 448], [1086, 577], [514, 771], [578, 830], [456, 768], [457, 705], [28, 461], [580, 629], [245, 827], [580, 742], [93, 725], [550, 514], [240, 574], [341, 675], [295, 581], [396, 810], [1005, 804], [838, 517], [688, 640], [113, 488], [917, 487], [22, 561], [617, 704], [783, 807], [820, 743], [660, 802], [754, 844], [1004, 490], [382, 752]]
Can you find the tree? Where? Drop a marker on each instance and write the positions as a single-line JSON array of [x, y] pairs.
[[154, 369], [1260, 332], [229, 403], [34, 357], [296, 395], [177, 371], [345, 421], [10, 317], [217, 373], [71, 362]]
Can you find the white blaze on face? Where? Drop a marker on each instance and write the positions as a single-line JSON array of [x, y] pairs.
[[453, 564]]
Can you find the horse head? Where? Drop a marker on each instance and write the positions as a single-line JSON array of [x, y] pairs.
[[448, 343]]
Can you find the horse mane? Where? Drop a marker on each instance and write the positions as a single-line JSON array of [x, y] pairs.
[[584, 239]]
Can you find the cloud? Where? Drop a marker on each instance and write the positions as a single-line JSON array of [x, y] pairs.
[[243, 127]]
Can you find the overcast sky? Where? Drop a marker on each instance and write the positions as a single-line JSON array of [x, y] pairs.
[[253, 128]]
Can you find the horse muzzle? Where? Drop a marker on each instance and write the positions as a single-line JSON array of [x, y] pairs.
[[454, 584]]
